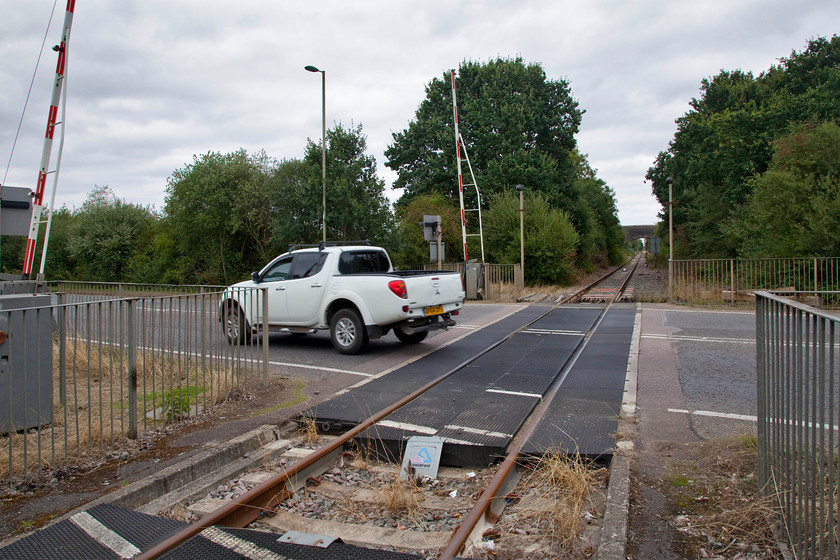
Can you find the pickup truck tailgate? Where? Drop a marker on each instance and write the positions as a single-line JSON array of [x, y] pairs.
[[434, 289]]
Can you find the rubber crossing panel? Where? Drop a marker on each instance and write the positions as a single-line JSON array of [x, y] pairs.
[[583, 417], [351, 408], [480, 417], [107, 532]]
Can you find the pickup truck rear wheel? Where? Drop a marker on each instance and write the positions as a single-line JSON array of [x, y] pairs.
[[347, 332], [412, 338], [236, 327]]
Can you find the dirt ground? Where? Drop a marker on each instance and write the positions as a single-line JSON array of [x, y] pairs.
[[32, 503]]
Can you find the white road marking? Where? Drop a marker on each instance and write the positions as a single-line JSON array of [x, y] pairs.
[[700, 338], [240, 546], [478, 431], [104, 536], [514, 393], [550, 331], [408, 427], [321, 368], [747, 418], [703, 311], [425, 353], [716, 414]]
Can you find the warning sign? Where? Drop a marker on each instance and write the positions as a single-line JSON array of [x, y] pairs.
[[422, 457]]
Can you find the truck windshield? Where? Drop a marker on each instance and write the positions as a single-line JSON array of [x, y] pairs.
[[360, 262]]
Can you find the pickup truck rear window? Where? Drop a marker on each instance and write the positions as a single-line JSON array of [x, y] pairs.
[[361, 262]]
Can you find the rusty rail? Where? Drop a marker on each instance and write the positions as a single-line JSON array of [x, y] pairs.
[[506, 469], [248, 507]]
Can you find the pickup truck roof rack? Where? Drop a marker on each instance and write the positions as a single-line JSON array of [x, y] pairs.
[[323, 244]]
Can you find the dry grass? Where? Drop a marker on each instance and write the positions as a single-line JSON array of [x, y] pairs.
[[563, 484], [308, 430], [94, 414], [720, 502], [402, 497]]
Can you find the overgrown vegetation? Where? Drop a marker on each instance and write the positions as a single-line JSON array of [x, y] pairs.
[[754, 162], [721, 508], [93, 416]]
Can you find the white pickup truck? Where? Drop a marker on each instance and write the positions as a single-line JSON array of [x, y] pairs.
[[353, 291]]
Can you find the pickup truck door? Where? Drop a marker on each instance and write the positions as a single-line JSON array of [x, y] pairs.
[[276, 280], [305, 288]]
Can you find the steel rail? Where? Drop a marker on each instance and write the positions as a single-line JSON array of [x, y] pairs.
[[250, 506], [506, 469], [575, 296]]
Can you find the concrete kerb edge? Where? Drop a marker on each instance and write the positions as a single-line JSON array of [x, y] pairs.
[[613, 541], [178, 475]]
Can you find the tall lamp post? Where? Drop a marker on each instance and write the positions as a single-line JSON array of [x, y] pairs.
[[323, 147], [521, 190], [670, 181]]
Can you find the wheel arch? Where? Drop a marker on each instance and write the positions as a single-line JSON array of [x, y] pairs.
[[343, 303]]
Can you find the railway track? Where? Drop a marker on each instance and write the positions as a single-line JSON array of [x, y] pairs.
[[338, 487]]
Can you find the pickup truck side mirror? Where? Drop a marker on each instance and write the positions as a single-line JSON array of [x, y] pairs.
[[255, 277]]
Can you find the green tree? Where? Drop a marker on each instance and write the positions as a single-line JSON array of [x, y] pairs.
[[106, 234], [794, 208], [410, 249], [296, 202], [212, 211], [519, 127], [727, 138], [357, 208], [550, 238]]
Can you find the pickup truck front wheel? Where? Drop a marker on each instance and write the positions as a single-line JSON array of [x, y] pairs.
[[412, 338], [348, 332]]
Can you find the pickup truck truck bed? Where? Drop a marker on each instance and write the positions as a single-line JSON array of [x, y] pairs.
[[353, 291]]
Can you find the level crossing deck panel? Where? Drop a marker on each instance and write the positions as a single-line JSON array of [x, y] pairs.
[[135, 532], [583, 417], [353, 407], [507, 383]]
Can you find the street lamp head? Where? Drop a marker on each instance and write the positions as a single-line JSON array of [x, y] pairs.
[[520, 188], [311, 69], [669, 179]]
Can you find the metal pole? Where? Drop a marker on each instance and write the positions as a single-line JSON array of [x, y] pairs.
[[439, 236], [132, 371], [324, 154], [323, 147], [458, 165], [670, 181], [38, 197], [521, 190]]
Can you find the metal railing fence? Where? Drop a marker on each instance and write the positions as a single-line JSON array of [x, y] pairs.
[[498, 278], [798, 382], [730, 280], [87, 371], [128, 289]]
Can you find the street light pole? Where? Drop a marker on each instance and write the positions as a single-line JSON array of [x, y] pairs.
[[323, 147], [670, 181], [521, 190]]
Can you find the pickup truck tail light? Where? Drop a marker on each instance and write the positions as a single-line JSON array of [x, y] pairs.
[[398, 287]]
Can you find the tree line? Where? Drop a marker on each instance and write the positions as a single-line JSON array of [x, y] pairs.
[[755, 162], [226, 215]]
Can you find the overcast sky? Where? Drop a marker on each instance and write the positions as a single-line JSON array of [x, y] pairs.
[[154, 82]]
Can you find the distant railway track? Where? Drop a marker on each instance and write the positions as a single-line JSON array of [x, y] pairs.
[[268, 496], [609, 288]]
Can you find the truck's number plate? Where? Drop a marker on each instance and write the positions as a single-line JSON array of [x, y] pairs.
[[433, 310]]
